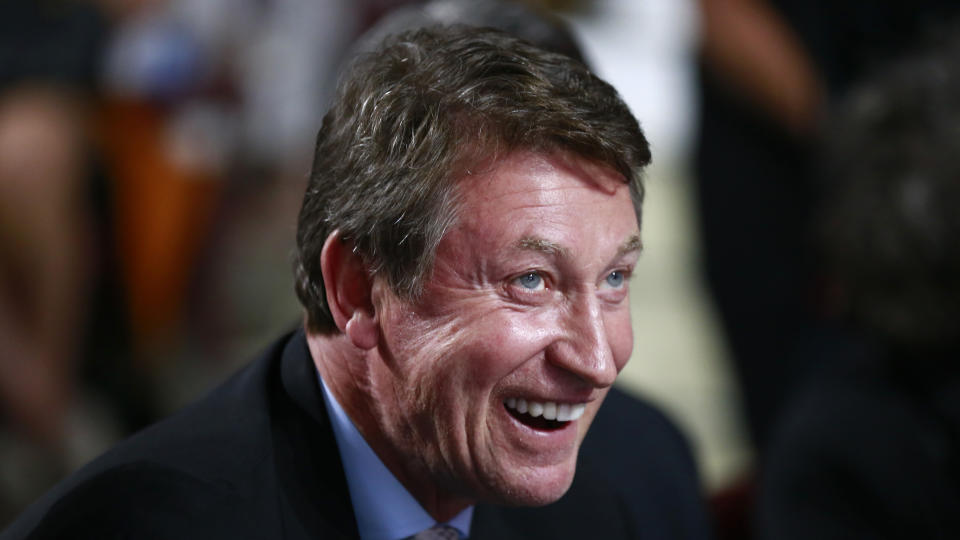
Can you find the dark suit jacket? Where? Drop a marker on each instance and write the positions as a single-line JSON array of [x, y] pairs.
[[867, 449], [257, 459]]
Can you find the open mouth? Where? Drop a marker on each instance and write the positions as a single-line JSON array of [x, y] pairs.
[[544, 416]]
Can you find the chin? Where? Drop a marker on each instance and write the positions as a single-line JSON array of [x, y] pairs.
[[534, 487]]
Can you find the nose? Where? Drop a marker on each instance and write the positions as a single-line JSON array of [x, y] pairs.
[[584, 348]]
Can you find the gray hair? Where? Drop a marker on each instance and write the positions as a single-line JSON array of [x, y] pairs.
[[408, 122]]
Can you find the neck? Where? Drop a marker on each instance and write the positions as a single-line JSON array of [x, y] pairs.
[[344, 369]]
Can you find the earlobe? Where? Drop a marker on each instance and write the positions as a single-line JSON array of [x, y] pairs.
[[347, 284], [362, 331]]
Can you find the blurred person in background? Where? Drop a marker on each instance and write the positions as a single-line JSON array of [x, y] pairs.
[[62, 332], [870, 447], [209, 104], [120, 123], [45, 228], [769, 71]]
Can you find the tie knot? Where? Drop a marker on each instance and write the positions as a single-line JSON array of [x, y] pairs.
[[437, 532]]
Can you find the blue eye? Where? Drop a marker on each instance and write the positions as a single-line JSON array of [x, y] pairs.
[[530, 280], [615, 279]]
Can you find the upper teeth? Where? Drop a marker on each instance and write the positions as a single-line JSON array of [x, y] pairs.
[[550, 410]]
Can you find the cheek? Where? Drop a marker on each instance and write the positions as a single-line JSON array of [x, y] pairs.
[[620, 336], [504, 342]]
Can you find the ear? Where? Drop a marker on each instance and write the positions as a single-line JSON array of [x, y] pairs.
[[347, 283]]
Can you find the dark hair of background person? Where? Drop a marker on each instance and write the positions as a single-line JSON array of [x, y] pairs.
[[411, 119], [890, 224]]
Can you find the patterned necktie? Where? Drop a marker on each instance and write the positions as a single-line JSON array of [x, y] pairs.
[[437, 532]]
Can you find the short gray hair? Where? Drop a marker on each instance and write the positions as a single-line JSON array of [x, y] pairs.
[[411, 118]]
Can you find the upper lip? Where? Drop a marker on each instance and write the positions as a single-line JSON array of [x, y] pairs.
[[571, 398]]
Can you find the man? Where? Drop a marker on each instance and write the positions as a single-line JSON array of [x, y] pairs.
[[464, 249]]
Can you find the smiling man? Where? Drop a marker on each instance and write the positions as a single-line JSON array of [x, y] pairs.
[[464, 252], [483, 387], [465, 245]]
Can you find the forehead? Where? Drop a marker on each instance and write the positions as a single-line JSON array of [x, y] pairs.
[[526, 179], [559, 197]]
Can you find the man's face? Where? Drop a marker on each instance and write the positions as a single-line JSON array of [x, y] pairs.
[[526, 311]]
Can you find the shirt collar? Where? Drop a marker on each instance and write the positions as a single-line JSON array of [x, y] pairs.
[[385, 510]]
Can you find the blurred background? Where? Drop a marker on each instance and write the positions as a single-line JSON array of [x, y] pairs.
[[153, 155]]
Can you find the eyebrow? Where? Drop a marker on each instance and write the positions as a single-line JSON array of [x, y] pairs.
[[632, 244], [532, 243]]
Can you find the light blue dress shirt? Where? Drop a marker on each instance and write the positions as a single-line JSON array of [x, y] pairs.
[[384, 509]]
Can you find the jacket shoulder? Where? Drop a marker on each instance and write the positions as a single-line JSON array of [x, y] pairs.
[[143, 500], [193, 470]]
